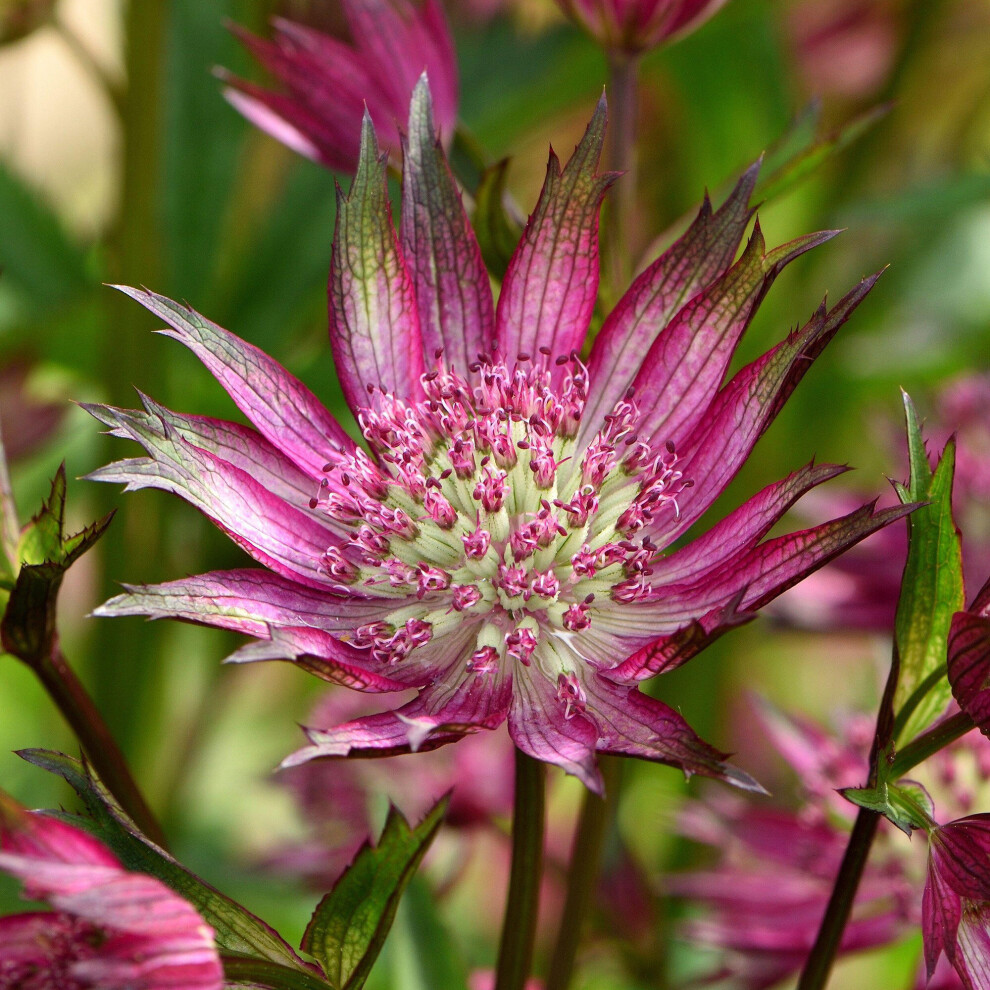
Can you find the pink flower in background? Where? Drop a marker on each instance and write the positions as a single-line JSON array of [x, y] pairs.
[[327, 82], [633, 26], [860, 590], [111, 929], [337, 800], [956, 916], [765, 896], [504, 548]]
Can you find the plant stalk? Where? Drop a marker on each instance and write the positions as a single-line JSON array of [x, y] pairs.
[[819, 963], [930, 742], [582, 874], [515, 951], [101, 749], [623, 102]]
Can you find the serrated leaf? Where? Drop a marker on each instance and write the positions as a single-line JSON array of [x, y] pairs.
[[237, 930], [906, 804], [497, 232], [931, 590], [349, 925]]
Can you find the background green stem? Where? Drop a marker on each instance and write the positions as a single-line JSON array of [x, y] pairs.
[[100, 747], [582, 873], [515, 951], [623, 106], [930, 742]]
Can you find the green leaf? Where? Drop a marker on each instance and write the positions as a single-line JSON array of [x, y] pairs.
[[237, 930], [906, 804], [349, 925], [497, 233], [45, 553], [931, 590]]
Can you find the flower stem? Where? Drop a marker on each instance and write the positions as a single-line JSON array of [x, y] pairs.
[[582, 873], [930, 742], [9, 527], [819, 962], [623, 106], [101, 749], [515, 951]]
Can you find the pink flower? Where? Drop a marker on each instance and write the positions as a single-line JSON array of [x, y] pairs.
[[636, 25], [328, 83], [501, 463], [956, 907], [766, 895], [110, 928]]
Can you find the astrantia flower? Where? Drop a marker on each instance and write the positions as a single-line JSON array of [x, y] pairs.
[[110, 930], [328, 82], [956, 911], [633, 26], [968, 659], [502, 545]]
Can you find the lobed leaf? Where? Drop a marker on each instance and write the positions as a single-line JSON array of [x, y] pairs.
[[349, 925]]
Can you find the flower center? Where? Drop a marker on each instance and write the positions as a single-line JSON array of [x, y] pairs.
[[479, 509]]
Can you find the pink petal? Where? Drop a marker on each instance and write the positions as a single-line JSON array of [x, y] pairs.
[[692, 262], [631, 723], [551, 284], [248, 601], [453, 295], [684, 368], [283, 538], [374, 326], [297, 424], [969, 666], [539, 727], [744, 409]]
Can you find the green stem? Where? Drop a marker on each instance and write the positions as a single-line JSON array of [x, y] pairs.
[[242, 971], [819, 962], [623, 102], [515, 951], [930, 742], [76, 706], [582, 874]]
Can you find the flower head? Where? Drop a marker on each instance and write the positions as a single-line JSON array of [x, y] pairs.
[[110, 928], [502, 543], [327, 82], [633, 26]]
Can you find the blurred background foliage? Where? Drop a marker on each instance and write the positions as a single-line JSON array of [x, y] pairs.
[[121, 162]]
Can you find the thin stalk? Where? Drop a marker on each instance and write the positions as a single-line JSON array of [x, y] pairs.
[[9, 527], [930, 742], [623, 103], [96, 69], [515, 951], [819, 962], [582, 874], [101, 749]]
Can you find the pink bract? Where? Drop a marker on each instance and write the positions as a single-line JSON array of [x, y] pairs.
[[328, 83], [633, 26], [111, 929], [503, 544]]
